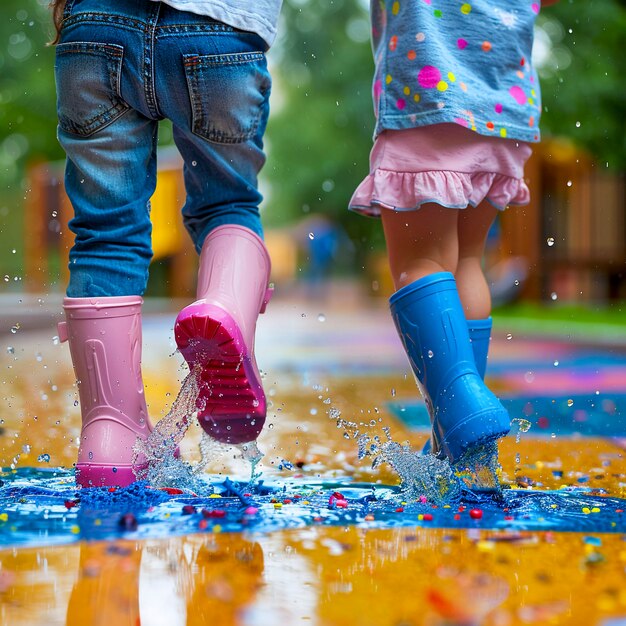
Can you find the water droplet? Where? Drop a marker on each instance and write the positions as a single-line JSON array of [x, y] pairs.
[[393, 392], [44, 458], [311, 236], [509, 336], [550, 241], [577, 124], [334, 413], [10, 350], [55, 340], [194, 163], [270, 426], [570, 402], [26, 448], [516, 282], [556, 364], [553, 295], [15, 328], [431, 354], [569, 183], [321, 317], [313, 411]]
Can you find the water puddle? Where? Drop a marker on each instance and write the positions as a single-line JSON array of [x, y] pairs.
[[175, 497], [43, 507]]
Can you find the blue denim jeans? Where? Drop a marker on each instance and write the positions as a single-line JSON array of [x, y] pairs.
[[121, 66]]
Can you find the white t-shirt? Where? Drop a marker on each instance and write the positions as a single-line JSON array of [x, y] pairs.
[[257, 16]]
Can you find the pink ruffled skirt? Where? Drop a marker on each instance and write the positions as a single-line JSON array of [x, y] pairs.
[[445, 164]]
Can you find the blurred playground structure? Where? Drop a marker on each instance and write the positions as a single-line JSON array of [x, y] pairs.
[[569, 243]]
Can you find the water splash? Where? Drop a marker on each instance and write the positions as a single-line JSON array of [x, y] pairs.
[[523, 426], [157, 458], [423, 474], [250, 452], [479, 468]]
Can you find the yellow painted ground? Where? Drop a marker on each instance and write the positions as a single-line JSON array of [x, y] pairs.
[[326, 576]]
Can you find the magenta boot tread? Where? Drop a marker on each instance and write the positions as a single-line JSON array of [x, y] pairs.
[[231, 399]]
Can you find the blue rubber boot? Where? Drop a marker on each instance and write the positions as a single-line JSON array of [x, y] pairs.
[[431, 324], [480, 336]]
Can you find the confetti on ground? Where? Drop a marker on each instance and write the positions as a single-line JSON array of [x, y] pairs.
[[34, 506]]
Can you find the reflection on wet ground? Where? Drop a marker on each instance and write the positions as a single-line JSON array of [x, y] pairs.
[[551, 551]]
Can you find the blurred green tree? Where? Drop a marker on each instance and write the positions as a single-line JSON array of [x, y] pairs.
[[582, 78], [27, 111], [27, 115]]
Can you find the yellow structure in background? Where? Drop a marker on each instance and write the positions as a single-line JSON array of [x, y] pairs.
[[168, 233], [48, 211]]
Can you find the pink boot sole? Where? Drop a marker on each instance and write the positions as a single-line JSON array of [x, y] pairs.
[[231, 398]]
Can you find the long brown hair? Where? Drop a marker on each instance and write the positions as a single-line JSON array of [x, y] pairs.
[[57, 7]]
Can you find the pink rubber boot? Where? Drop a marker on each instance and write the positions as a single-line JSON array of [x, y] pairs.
[[216, 333], [105, 343]]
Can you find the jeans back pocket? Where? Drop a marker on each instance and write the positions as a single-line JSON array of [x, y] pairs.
[[88, 86], [229, 94]]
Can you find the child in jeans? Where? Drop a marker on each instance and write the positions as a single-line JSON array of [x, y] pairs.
[[457, 105], [121, 66]]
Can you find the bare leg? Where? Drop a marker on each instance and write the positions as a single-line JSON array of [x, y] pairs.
[[420, 242], [474, 224]]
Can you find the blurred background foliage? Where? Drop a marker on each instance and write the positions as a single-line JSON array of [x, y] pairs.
[[319, 135]]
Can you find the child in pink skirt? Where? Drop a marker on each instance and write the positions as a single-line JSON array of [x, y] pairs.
[[457, 105]]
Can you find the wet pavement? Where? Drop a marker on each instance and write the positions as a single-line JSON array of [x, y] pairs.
[[421, 564]]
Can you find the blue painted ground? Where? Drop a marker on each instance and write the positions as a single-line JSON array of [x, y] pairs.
[[42, 507], [595, 415]]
